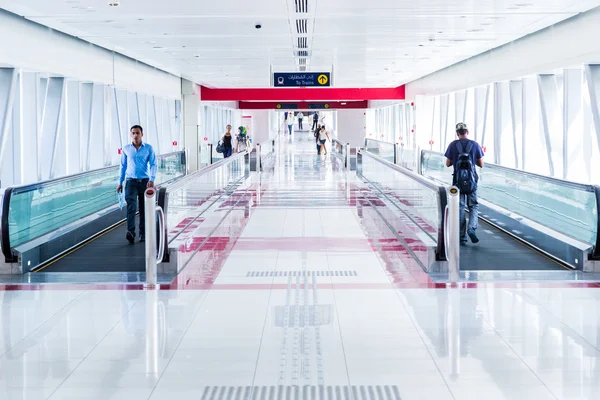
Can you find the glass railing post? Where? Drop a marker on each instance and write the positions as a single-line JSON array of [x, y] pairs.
[[258, 165], [347, 156], [396, 153], [150, 221], [452, 233]]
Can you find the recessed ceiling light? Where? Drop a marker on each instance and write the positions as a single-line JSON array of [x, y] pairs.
[[157, 47]]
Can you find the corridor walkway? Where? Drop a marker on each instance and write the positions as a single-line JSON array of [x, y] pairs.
[[303, 292]]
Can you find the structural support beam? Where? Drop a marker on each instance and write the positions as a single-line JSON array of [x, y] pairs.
[[592, 74], [301, 94], [482, 96], [52, 120], [550, 110], [444, 106], [460, 106], [573, 136], [8, 83], [516, 117], [86, 110]]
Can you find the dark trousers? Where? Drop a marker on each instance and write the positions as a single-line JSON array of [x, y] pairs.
[[300, 123], [315, 121], [134, 196], [227, 151]]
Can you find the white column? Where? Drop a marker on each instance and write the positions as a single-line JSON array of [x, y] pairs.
[[352, 127], [190, 94]]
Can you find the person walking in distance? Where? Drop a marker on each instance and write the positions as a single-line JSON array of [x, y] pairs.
[[315, 120], [290, 121], [227, 143], [138, 171], [464, 154], [300, 118], [323, 137]]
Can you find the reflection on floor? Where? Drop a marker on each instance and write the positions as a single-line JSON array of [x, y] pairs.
[[297, 296]]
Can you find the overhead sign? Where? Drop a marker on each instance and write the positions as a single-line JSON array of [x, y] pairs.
[[287, 106], [301, 79], [318, 106]]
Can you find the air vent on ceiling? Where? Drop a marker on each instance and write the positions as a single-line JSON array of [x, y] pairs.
[[302, 43], [301, 26], [301, 6]]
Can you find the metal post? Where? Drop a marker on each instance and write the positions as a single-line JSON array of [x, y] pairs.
[[210, 153], [347, 160], [258, 165], [152, 256], [395, 153], [150, 218], [452, 233]]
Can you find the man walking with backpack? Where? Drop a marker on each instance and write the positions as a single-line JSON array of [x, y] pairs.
[[464, 154]]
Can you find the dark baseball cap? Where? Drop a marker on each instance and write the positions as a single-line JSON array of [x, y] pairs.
[[461, 126]]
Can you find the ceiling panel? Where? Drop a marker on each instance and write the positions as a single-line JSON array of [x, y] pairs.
[[366, 43]]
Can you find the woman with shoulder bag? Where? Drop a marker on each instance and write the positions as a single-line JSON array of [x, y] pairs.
[[323, 138], [227, 145]]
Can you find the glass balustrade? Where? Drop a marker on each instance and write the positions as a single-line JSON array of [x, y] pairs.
[[384, 150], [417, 198], [566, 207], [37, 209], [189, 198]]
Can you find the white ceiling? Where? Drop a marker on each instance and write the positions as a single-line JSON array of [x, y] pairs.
[[367, 43]]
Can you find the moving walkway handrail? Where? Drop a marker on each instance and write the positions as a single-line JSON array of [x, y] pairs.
[[595, 189], [442, 195], [105, 173]]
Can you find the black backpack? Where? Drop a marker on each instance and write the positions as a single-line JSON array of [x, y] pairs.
[[464, 170]]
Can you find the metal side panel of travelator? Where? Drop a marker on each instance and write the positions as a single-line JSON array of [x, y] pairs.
[[527, 221], [74, 223]]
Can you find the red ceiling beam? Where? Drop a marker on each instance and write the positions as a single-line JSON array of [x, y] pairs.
[[301, 94], [301, 105]]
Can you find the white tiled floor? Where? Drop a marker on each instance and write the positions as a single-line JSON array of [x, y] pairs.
[[270, 324]]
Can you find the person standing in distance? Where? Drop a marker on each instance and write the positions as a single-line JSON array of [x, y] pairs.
[[464, 154], [300, 118], [138, 170], [315, 120]]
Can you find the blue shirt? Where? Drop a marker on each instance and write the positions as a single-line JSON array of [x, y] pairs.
[[134, 163], [475, 154]]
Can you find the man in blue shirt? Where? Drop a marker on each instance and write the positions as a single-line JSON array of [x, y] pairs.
[[136, 158], [466, 200]]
